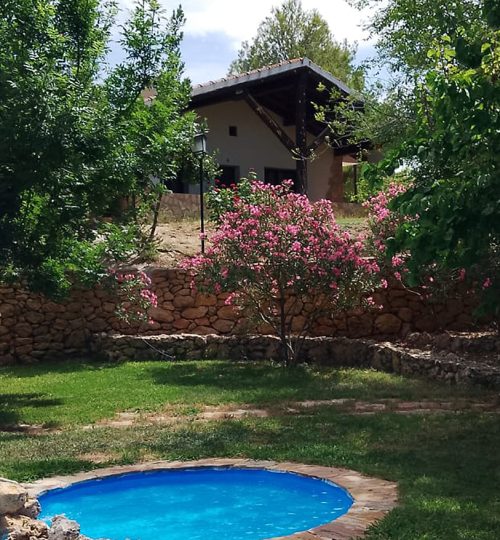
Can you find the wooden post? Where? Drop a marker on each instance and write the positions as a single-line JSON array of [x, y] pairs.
[[301, 133]]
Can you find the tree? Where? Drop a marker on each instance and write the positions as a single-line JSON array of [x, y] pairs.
[[451, 151], [291, 32], [404, 31], [285, 261], [74, 137]]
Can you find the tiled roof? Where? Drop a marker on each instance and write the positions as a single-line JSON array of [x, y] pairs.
[[268, 71]]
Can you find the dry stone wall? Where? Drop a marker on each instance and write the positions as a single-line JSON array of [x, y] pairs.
[[187, 206], [33, 327], [337, 352]]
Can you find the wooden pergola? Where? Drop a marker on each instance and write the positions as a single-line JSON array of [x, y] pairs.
[[290, 90]]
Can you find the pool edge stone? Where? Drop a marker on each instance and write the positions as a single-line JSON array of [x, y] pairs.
[[373, 497]]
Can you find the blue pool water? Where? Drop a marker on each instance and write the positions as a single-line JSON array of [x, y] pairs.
[[199, 504]]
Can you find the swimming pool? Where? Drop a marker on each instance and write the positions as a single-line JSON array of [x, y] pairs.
[[209, 503]]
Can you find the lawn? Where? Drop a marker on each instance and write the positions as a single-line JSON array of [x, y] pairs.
[[447, 465]]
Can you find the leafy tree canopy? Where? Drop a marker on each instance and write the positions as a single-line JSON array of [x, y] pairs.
[[291, 32], [404, 31], [76, 136], [450, 151]]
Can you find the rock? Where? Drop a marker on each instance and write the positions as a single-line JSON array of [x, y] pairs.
[[206, 300], [194, 312], [223, 326], [298, 323], [203, 331], [426, 323], [359, 326], [12, 497], [7, 310], [63, 528], [183, 301], [23, 528], [97, 325], [34, 317], [387, 324], [161, 315], [76, 340], [181, 324], [108, 307], [31, 508], [228, 312], [405, 314], [23, 330]]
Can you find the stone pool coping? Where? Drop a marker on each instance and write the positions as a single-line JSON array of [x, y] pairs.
[[373, 497]]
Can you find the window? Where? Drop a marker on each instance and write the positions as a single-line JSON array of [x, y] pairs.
[[233, 131], [230, 174], [276, 176]]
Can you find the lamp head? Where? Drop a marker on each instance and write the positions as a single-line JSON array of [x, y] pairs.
[[199, 144]]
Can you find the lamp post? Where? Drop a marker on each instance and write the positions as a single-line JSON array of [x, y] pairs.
[[199, 150]]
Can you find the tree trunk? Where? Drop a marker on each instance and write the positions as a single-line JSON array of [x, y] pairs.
[[287, 352], [156, 213]]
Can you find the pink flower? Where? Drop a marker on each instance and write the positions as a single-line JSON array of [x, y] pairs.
[[487, 283], [397, 261]]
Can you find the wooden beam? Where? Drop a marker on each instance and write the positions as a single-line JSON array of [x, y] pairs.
[[270, 122], [301, 133], [318, 141]]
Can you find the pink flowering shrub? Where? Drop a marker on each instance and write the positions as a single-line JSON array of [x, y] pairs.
[[434, 281], [222, 198], [282, 252], [383, 224], [134, 296]]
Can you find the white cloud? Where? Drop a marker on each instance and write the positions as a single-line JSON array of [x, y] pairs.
[[233, 21], [238, 19]]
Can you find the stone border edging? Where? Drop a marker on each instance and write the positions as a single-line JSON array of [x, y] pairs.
[[331, 351], [373, 497]]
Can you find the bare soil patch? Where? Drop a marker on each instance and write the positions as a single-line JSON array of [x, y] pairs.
[[178, 239]]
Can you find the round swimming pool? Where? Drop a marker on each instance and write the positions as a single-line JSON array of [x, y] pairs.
[[200, 503]]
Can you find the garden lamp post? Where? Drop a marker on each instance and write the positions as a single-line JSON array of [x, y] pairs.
[[199, 150]]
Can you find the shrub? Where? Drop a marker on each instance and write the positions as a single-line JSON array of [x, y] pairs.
[[282, 255]]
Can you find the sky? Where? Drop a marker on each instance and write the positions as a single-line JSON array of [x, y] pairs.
[[215, 29]]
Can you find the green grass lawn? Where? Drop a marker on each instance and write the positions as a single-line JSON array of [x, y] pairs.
[[60, 394], [447, 465]]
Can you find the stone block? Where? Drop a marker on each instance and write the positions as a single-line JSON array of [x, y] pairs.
[[161, 315], [223, 326], [387, 324], [23, 330], [405, 314], [181, 324], [23, 528], [192, 313], [13, 497], [206, 300], [230, 313], [75, 340], [31, 508], [63, 528], [183, 301]]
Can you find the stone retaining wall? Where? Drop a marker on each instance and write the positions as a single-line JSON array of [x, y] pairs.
[[187, 206], [180, 206], [338, 352], [33, 327]]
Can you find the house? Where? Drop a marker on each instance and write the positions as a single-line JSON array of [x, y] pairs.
[[264, 121]]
